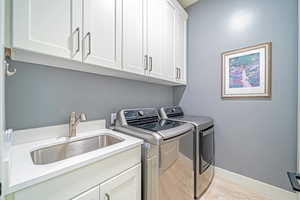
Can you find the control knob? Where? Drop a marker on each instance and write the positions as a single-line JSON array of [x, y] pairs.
[[140, 113]]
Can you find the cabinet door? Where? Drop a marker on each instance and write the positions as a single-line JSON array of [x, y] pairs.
[[169, 16], [134, 41], [77, 30], [155, 34], [102, 32], [180, 42], [44, 26], [92, 194], [126, 186]]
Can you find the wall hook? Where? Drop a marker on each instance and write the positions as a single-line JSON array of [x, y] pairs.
[[7, 62], [7, 69]]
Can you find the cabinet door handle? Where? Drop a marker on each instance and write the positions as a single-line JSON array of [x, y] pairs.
[[107, 196], [78, 40], [179, 76], [90, 41], [146, 62], [150, 63]]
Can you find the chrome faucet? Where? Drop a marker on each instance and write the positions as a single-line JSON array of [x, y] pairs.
[[74, 121]]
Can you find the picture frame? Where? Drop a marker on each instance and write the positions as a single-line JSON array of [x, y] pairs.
[[246, 72]]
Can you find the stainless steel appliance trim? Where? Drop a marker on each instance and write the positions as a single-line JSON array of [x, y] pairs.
[[174, 132], [201, 183], [177, 168], [151, 153], [205, 179], [176, 137], [147, 136], [150, 171]]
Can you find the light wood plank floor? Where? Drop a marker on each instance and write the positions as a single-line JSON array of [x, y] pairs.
[[176, 183], [222, 189]]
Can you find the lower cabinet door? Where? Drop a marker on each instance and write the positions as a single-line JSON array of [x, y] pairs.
[[92, 194], [126, 186]]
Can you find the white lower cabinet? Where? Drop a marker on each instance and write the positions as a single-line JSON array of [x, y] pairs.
[[108, 179], [92, 194], [126, 186]]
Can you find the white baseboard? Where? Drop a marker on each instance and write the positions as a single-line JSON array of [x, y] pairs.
[[269, 191]]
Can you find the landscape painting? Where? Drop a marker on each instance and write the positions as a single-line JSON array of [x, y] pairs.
[[246, 72]]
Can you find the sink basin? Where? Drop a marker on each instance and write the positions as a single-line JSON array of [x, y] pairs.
[[66, 150]]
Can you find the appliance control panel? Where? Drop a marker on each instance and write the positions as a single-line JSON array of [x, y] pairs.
[[174, 111], [135, 114]]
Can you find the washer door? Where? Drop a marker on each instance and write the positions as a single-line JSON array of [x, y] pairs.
[[177, 168]]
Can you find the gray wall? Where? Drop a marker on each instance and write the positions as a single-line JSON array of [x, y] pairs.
[[256, 138], [42, 96]]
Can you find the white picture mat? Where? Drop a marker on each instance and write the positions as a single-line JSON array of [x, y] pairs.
[[253, 90]]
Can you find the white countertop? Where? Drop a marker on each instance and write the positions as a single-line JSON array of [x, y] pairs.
[[23, 173]]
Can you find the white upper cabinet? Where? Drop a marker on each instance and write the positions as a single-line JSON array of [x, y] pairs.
[[180, 47], [155, 37], [169, 17], [43, 26], [102, 32], [134, 37], [77, 30]]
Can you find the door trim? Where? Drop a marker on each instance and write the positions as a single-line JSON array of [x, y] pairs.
[[298, 110], [2, 82]]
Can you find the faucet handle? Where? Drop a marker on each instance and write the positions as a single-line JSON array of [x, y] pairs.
[[83, 117]]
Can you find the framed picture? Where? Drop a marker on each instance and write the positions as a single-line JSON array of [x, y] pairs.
[[246, 73]]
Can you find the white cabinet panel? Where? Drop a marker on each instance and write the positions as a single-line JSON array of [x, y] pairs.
[[102, 33], [43, 26], [92, 194], [144, 37], [180, 48], [155, 37], [77, 30], [126, 186], [134, 42], [169, 16], [72, 184]]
